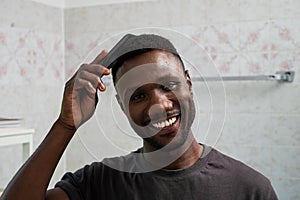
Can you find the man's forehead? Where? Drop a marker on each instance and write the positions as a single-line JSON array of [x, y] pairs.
[[161, 58], [148, 71]]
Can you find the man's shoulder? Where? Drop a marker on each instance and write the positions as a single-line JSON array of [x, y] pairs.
[[123, 163], [237, 169], [239, 177]]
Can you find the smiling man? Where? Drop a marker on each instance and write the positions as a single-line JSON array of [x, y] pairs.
[[158, 98], [155, 93]]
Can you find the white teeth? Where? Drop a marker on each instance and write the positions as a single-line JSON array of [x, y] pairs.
[[173, 120], [164, 123]]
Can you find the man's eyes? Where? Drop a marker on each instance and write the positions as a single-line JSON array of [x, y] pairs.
[[137, 97], [141, 95], [170, 86]]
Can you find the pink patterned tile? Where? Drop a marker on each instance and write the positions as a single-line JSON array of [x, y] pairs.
[[221, 38], [57, 73], [28, 55], [40, 44], [228, 64], [254, 36], [69, 46], [21, 42], [41, 72], [57, 46], [2, 38], [196, 33], [296, 67], [255, 63], [3, 70], [22, 71], [75, 56], [285, 34], [283, 61]]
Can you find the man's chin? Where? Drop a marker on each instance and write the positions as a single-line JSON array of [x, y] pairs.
[[168, 143]]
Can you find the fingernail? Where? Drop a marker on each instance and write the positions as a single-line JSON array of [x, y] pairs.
[[102, 86]]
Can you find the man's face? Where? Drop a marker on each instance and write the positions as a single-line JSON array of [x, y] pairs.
[[155, 94]]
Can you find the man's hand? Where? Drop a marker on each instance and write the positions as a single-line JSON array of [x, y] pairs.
[[80, 95]]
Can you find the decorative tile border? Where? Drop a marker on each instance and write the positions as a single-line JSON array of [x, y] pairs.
[[30, 56]]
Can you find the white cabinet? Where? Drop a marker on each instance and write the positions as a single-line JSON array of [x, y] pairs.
[[10, 136]]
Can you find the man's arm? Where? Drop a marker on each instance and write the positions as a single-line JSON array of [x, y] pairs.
[[78, 105], [56, 193]]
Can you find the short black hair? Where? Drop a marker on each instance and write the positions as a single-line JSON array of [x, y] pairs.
[[132, 45]]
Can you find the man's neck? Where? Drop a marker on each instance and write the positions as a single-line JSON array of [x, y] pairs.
[[188, 158], [184, 156]]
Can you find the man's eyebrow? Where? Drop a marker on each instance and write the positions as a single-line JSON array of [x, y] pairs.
[[167, 77], [130, 90]]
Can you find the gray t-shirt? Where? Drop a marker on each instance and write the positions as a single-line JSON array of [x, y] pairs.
[[214, 176]]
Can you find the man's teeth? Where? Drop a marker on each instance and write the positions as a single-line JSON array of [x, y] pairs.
[[165, 123]]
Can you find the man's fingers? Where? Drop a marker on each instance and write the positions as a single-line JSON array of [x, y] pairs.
[[94, 72], [81, 83], [100, 57], [86, 79], [94, 79], [96, 69]]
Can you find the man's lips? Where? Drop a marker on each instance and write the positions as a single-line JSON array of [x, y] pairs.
[[168, 126], [165, 123], [160, 118]]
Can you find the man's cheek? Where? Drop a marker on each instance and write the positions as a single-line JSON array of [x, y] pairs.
[[140, 130], [183, 96], [134, 117]]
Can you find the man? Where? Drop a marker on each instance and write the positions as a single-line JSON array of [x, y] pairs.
[[155, 93]]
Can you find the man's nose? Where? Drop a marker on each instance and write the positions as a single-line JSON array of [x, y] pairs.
[[159, 103]]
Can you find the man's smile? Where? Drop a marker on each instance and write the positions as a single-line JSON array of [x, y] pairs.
[[167, 127], [163, 124]]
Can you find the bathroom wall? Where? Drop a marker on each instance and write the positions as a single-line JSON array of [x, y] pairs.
[[31, 73], [255, 122]]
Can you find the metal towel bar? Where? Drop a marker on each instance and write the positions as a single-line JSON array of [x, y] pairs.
[[280, 76]]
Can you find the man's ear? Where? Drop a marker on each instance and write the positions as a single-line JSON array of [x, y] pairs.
[[188, 79], [120, 102]]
